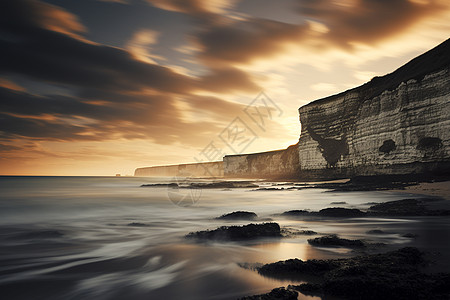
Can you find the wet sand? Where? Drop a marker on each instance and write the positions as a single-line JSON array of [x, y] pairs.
[[435, 189]]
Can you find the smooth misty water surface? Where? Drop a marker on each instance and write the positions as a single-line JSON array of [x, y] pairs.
[[71, 237]]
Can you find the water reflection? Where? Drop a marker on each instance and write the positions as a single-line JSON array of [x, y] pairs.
[[71, 238]]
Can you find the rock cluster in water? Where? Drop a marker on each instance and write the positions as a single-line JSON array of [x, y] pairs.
[[392, 275], [246, 232], [238, 215]]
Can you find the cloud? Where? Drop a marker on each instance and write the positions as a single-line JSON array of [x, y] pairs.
[[245, 41], [140, 45], [6, 83], [24, 15], [111, 93], [116, 1], [36, 51], [367, 21], [60, 59], [200, 9], [228, 80], [62, 118], [327, 26]]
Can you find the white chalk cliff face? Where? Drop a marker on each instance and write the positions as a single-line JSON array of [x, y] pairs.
[[396, 124]]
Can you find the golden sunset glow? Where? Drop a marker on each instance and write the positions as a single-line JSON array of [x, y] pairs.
[[123, 85]]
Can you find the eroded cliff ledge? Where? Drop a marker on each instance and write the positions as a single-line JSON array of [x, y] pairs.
[[395, 124]]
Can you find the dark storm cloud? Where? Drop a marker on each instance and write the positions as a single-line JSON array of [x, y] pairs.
[[244, 41], [18, 126], [342, 24], [113, 95], [29, 49], [43, 54]]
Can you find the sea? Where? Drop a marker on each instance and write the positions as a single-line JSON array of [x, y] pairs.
[[112, 238]]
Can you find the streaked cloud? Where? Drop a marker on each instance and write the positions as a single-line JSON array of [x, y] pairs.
[[141, 43], [178, 76]]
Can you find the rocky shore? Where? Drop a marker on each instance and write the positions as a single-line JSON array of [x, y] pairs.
[[372, 274], [391, 275]]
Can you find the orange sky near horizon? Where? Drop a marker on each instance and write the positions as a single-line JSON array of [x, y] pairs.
[[104, 87]]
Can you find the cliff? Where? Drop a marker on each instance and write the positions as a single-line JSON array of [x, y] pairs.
[[201, 170], [280, 164], [395, 124]]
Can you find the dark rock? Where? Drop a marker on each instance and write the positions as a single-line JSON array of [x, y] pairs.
[[335, 212], [160, 185], [338, 202], [375, 231], [295, 213], [269, 189], [276, 294], [136, 224], [246, 232], [371, 183], [311, 289], [307, 232], [340, 212], [335, 241], [392, 275], [331, 149], [290, 232], [406, 207], [388, 146], [399, 208], [224, 184], [315, 267], [409, 235], [429, 144], [239, 215]]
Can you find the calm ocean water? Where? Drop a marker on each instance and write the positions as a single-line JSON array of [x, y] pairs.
[[109, 238]]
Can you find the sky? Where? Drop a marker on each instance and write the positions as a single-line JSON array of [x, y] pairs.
[[101, 87]]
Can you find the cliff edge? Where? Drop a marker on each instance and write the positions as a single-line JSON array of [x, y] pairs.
[[393, 125]]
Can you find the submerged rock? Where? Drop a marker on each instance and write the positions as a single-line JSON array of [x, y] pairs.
[[137, 224], [224, 184], [292, 232], [334, 212], [160, 185], [375, 231], [295, 213], [276, 294], [340, 212], [239, 215], [392, 275], [335, 241], [406, 207], [269, 189], [410, 235], [246, 232], [306, 232], [399, 207]]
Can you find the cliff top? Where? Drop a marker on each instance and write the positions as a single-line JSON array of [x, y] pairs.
[[433, 60]]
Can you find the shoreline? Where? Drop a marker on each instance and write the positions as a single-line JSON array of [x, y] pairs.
[[435, 189]]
